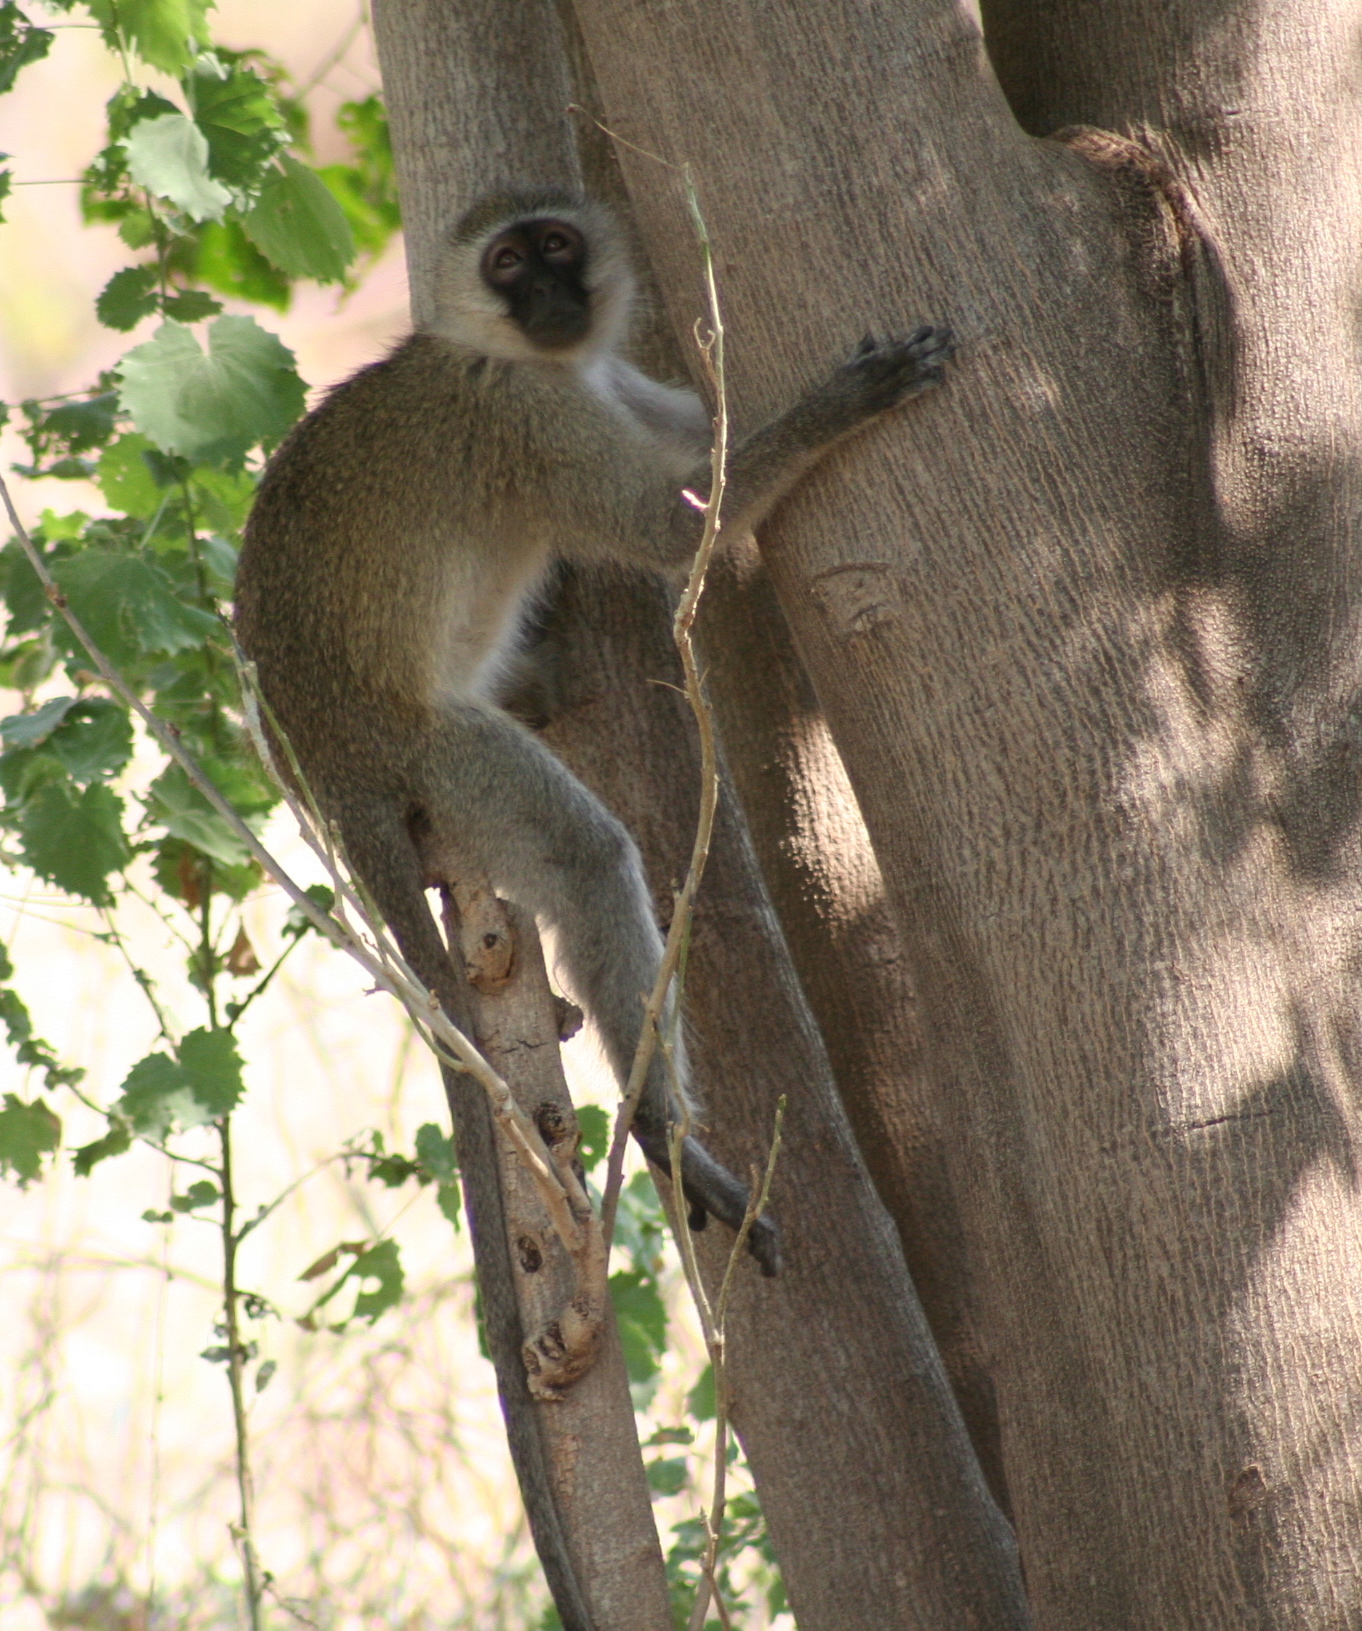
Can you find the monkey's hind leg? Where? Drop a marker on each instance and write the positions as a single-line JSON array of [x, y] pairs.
[[498, 802]]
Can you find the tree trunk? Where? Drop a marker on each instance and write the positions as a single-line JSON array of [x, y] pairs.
[[873, 1495], [1083, 628]]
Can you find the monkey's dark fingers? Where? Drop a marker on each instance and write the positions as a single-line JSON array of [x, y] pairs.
[[894, 369]]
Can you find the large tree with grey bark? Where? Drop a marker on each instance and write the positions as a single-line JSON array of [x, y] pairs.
[[1036, 884]]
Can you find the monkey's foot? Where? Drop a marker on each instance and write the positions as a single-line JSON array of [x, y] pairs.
[[711, 1190]]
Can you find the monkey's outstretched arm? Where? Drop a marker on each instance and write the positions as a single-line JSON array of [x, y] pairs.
[[654, 524]]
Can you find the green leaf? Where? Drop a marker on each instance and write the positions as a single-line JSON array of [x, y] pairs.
[[435, 1152], [191, 306], [159, 1097], [83, 425], [20, 44], [128, 606], [595, 1127], [6, 184], [298, 923], [117, 1141], [238, 115], [125, 478], [93, 742], [383, 1264], [700, 1399], [642, 1322], [668, 1476], [224, 499], [128, 297], [367, 188], [449, 1198], [212, 1067], [200, 1194], [165, 33], [227, 260], [28, 1132], [22, 772], [127, 107], [28, 730], [215, 407], [168, 156], [75, 841], [299, 226], [182, 810]]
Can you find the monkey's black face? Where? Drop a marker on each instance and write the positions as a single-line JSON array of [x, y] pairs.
[[537, 267]]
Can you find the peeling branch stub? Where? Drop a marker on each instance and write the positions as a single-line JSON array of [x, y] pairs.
[[563, 1348]]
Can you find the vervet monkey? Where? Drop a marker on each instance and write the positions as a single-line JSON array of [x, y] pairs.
[[397, 540]]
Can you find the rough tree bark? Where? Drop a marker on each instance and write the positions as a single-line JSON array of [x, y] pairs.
[[1085, 631], [840, 1394]]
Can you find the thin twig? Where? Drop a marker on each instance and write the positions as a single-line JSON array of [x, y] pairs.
[[712, 350], [713, 1324]]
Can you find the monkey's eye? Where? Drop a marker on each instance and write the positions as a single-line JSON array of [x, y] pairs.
[[506, 259], [560, 244]]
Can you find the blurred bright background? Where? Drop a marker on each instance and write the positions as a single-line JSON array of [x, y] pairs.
[[384, 1491]]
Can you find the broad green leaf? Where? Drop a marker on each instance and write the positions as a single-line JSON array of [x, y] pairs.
[[435, 1152], [23, 771], [216, 406], [595, 1126], [6, 183], [203, 1193], [191, 306], [87, 424], [642, 1322], [128, 297], [700, 1399], [128, 606], [94, 742], [158, 1099], [75, 841], [668, 1476], [126, 479], [127, 107], [28, 1132], [27, 606], [227, 260], [183, 872], [212, 1067], [115, 1142], [28, 730], [366, 189], [298, 224], [224, 498], [169, 157], [381, 1263], [219, 557], [165, 33], [20, 44], [238, 115], [184, 812]]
